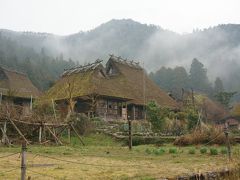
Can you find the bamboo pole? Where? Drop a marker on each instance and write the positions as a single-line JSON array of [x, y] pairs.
[[31, 103], [19, 132], [1, 98], [69, 135], [53, 106], [56, 138], [40, 134], [79, 137]]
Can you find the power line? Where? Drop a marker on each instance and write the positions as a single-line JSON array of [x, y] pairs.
[[89, 164], [46, 175], [9, 155], [4, 172]]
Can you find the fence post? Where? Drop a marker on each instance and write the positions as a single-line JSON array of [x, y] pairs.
[[227, 142], [69, 135], [130, 134], [23, 161]]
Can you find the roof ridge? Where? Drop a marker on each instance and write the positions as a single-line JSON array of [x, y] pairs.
[[84, 68], [121, 60], [12, 70]]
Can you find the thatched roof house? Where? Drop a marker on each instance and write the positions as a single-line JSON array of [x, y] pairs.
[[211, 110], [122, 89], [16, 85]]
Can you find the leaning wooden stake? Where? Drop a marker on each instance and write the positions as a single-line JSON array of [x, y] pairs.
[[69, 135], [130, 134], [56, 138], [79, 137], [4, 132], [5, 139], [227, 142], [23, 161], [19, 132], [40, 135]]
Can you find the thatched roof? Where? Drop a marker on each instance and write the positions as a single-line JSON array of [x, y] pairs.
[[136, 84], [16, 84], [125, 83], [211, 110]]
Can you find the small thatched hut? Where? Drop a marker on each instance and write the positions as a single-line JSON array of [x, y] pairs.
[[119, 91], [16, 87]]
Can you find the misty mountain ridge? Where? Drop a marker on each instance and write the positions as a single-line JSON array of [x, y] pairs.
[[218, 48]]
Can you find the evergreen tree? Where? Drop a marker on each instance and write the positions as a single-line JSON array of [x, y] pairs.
[[218, 85], [180, 80], [198, 77]]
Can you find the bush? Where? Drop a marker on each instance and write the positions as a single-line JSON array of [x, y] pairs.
[[213, 151], [172, 151], [158, 151], [203, 150], [192, 118], [148, 151], [192, 151], [210, 135], [140, 140], [82, 123], [224, 151], [157, 116]]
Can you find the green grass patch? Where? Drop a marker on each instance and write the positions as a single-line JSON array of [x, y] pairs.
[[203, 150], [223, 151], [172, 150], [213, 151], [192, 151]]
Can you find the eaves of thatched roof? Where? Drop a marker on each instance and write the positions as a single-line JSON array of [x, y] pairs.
[[137, 85], [130, 83], [16, 84]]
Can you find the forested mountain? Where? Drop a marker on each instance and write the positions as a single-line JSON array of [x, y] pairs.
[[218, 48]]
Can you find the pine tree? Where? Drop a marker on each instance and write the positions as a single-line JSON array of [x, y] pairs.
[[218, 85], [198, 77]]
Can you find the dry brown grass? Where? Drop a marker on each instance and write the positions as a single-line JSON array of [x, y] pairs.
[[111, 161], [208, 136]]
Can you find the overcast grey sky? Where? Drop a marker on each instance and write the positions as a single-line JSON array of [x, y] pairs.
[[70, 16]]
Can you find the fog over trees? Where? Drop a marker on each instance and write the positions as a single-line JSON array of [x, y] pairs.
[[44, 56]]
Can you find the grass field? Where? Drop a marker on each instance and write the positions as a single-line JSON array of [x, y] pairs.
[[103, 158]]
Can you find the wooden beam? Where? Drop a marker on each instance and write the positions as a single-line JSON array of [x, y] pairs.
[[79, 137], [134, 112], [56, 138], [69, 135], [5, 137], [19, 132], [40, 135]]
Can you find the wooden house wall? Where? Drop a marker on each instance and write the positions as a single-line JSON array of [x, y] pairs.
[[109, 108]]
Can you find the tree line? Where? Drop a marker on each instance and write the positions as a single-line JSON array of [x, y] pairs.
[[41, 68], [173, 80]]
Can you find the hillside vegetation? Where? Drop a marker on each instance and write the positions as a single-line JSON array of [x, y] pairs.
[[216, 47]]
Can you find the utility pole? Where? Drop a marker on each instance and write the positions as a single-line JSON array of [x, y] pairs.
[[130, 134], [226, 132], [23, 161]]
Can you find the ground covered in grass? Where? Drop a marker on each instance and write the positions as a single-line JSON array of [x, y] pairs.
[[104, 158]]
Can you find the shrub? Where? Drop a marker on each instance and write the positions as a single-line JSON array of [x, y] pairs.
[[192, 151], [157, 116], [172, 151], [210, 135], [192, 118], [159, 151], [82, 123], [224, 151], [203, 150], [213, 151], [148, 151], [139, 140]]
